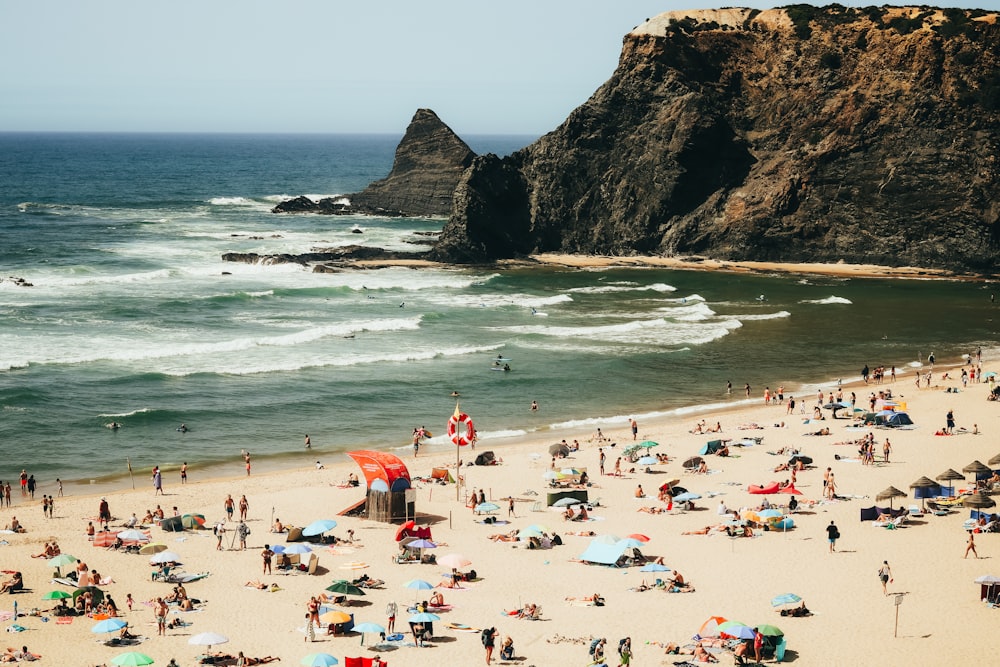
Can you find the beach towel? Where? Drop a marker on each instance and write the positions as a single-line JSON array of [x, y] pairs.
[[64, 620]]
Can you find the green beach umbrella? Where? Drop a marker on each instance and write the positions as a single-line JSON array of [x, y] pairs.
[[57, 595], [769, 631], [648, 444], [132, 659]]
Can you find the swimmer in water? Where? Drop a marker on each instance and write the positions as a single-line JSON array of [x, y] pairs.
[[182, 428], [454, 394]]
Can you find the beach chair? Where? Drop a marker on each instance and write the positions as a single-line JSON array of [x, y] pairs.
[[313, 564], [915, 511], [538, 506]]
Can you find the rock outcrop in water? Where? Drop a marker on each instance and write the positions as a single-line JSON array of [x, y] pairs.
[[429, 162], [796, 134]]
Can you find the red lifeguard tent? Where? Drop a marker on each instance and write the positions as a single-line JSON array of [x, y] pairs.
[[389, 496]]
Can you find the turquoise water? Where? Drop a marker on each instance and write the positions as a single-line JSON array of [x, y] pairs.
[[132, 320]]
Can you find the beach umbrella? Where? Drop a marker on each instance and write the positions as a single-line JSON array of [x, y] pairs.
[[319, 527], [344, 587], [487, 507], [423, 617], [889, 493], [569, 471], [165, 557], [567, 502], [559, 449], [978, 500], [132, 659], [152, 548], [525, 533], [57, 595], [108, 625], [366, 628], [737, 630], [693, 462], [296, 548], [421, 544], [977, 468], [418, 584], [60, 560], [133, 535], [785, 598], [654, 567], [540, 528], [319, 660], [995, 460], [771, 514], [769, 630], [193, 520], [949, 476], [648, 444], [987, 579], [208, 639], [647, 461], [710, 628], [924, 483], [454, 560], [93, 590], [686, 496], [552, 474], [334, 616], [750, 515]]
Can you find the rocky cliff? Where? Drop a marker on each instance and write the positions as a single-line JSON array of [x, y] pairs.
[[796, 134], [428, 164]]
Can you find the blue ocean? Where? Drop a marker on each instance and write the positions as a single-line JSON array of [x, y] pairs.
[[132, 318]]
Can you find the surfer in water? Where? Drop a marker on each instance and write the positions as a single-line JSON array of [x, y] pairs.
[[454, 394], [114, 426], [506, 367], [183, 428]]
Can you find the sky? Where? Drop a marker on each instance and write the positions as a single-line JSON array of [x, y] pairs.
[[312, 66]]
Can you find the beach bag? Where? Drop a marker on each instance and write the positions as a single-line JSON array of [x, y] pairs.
[[621, 645], [593, 646], [487, 635]]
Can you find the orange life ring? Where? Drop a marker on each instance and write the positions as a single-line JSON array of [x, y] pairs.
[[470, 430]]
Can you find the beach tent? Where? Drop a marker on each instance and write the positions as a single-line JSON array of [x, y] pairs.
[[608, 550], [872, 513], [897, 419], [711, 447]]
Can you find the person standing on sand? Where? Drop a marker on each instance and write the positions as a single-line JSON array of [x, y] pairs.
[[244, 507], [229, 506], [246, 459], [635, 428], [489, 641], [832, 535], [510, 507], [885, 576], [971, 546], [161, 617], [184, 473], [390, 612], [267, 555], [601, 459], [157, 481]]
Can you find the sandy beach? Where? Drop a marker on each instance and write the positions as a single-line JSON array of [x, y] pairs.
[[940, 614]]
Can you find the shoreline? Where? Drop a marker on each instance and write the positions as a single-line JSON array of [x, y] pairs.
[[698, 263]]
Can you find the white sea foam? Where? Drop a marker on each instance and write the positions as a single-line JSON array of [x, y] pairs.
[[125, 414], [252, 366], [828, 300], [781, 314], [499, 300], [231, 201], [657, 331], [604, 289]]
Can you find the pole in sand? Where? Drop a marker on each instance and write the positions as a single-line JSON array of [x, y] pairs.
[[128, 461]]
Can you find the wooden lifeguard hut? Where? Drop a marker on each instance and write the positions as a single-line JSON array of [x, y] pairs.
[[389, 496]]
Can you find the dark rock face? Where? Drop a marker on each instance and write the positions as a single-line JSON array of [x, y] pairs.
[[342, 255], [797, 134], [429, 162]]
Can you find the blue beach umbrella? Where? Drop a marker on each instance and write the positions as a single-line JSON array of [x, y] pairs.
[[654, 567], [108, 625], [421, 544], [770, 514], [365, 628], [487, 507], [296, 548], [319, 660], [418, 584], [647, 461], [785, 598], [423, 617], [686, 496], [319, 527]]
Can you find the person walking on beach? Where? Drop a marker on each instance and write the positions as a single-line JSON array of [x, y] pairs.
[[489, 641], [244, 507], [246, 459], [601, 459], [229, 506], [950, 422], [635, 428], [242, 531], [971, 546], [220, 532], [157, 481], [510, 507], [45, 506], [184, 473], [6, 492], [886, 450], [885, 576], [832, 535]]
